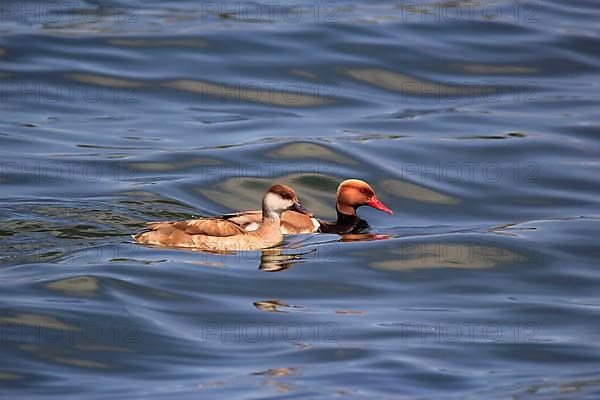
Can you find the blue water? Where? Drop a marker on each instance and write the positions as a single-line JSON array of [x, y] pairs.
[[479, 125]]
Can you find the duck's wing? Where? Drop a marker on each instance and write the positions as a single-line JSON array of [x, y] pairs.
[[245, 219], [293, 222], [202, 226]]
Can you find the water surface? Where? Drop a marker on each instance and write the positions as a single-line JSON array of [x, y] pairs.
[[477, 125]]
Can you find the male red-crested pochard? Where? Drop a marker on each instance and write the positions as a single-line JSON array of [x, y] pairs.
[[218, 234], [351, 194]]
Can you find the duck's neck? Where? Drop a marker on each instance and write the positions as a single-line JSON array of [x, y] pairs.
[[345, 211], [270, 216], [273, 217], [346, 216]]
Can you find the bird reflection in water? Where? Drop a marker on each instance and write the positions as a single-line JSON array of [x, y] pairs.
[[275, 306], [363, 237], [275, 260]]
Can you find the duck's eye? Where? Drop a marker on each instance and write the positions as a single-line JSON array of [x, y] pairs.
[[363, 190]]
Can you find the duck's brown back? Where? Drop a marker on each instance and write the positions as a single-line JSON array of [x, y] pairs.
[[181, 233], [292, 222]]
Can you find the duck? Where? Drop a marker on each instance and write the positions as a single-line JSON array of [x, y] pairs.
[[220, 235], [351, 194]]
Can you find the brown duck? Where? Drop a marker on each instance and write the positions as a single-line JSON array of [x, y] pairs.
[[218, 234]]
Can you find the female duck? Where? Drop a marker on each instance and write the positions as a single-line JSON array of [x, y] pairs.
[[351, 194], [218, 234]]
